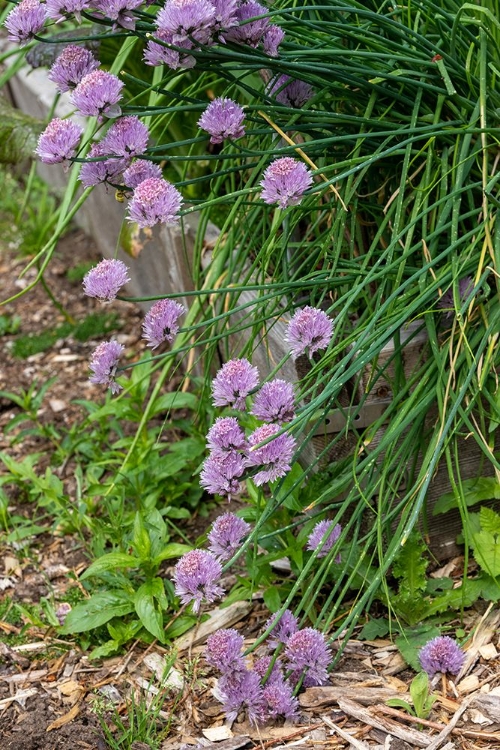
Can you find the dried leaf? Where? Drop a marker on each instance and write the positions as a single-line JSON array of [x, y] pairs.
[[65, 718]]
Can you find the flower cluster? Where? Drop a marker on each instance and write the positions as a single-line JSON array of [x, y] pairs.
[[323, 537], [285, 181], [266, 691], [189, 25]]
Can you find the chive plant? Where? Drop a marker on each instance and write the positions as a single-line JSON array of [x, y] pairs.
[[391, 112]]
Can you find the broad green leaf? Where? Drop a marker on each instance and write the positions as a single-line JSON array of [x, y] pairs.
[[18, 134], [111, 561], [140, 540], [175, 400], [419, 691], [475, 490], [172, 550], [373, 629], [400, 703], [486, 549], [272, 599], [97, 610], [181, 625], [148, 610], [490, 589], [490, 521]]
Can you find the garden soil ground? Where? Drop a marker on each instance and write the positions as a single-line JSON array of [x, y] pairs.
[[51, 694]]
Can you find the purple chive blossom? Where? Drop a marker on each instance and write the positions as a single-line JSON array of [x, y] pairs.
[[309, 330], [158, 54], [155, 201], [105, 280], [104, 170], [58, 141], [465, 287], [185, 20], [274, 458], [104, 362], [280, 700], [62, 612], [290, 92], [275, 402], [226, 435], [140, 170], [224, 649], [225, 16], [127, 137], [161, 322], [323, 537], [25, 20], [119, 11], [226, 534], [97, 94], [59, 10], [195, 577], [234, 381], [221, 472], [242, 690], [249, 32], [285, 181], [273, 36], [441, 654], [73, 64], [222, 119], [283, 629], [307, 650], [263, 668]]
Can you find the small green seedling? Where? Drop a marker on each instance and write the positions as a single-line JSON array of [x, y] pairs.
[[422, 701]]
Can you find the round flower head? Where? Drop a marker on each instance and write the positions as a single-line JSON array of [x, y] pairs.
[[275, 402], [158, 54], [226, 435], [126, 137], [62, 612], [73, 64], [224, 649], [285, 182], [234, 381], [119, 11], [58, 141], [242, 690], [263, 668], [273, 36], [282, 630], [59, 10], [308, 650], [25, 20], [140, 170], [104, 362], [274, 458], [105, 280], [104, 170], [161, 322], [155, 201], [441, 654], [248, 31], [280, 700], [323, 537], [309, 330], [186, 19], [222, 119], [226, 534], [225, 17], [221, 472], [290, 92], [195, 577], [97, 94]]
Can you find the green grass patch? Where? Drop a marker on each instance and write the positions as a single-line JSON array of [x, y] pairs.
[[94, 325]]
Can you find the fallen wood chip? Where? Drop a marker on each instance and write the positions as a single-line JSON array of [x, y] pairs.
[[487, 628], [216, 734], [20, 697], [368, 696], [345, 735], [488, 704], [65, 718], [21, 677], [444, 733], [408, 734]]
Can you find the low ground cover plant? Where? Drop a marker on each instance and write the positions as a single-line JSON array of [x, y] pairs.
[[346, 153]]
